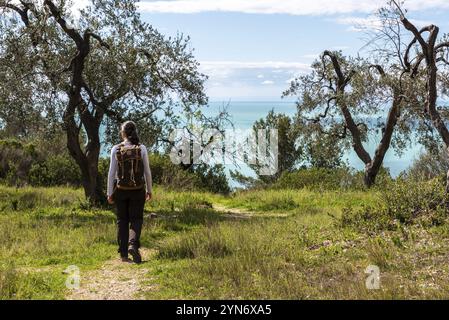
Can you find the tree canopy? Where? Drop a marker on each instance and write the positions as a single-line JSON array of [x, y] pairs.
[[90, 73]]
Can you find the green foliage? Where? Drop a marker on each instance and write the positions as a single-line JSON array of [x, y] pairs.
[[403, 202], [103, 171], [212, 178], [199, 253], [16, 159], [36, 163], [322, 151], [342, 178], [319, 178], [55, 171], [429, 165], [198, 177], [289, 153]]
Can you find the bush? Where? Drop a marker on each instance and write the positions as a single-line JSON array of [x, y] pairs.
[[55, 171], [318, 178], [327, 179], [24, 163], [16, 159], [212, 178], [428, 166], [198, 177], [403, 202]]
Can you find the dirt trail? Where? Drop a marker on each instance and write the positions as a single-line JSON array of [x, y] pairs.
[[115, 280]]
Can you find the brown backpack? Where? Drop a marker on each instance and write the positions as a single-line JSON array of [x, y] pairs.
[[130, 167]]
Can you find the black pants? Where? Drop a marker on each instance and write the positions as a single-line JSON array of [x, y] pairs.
[[130, 204]]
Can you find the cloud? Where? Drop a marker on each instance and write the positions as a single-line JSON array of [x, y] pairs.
[[293, 7], [250, 78], [358, 24], [227, 69], [253, 65]]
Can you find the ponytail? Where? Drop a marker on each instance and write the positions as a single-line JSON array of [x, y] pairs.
[[129, 130]]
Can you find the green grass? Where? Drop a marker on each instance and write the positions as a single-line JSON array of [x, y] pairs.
[[201, 253], [298, 201]]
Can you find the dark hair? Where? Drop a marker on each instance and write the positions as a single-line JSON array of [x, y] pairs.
[[129, 130]]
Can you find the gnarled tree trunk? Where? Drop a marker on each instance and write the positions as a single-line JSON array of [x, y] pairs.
[[372, 165]]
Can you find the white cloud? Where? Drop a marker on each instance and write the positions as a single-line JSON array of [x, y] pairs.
[[358, 24], [253, 65], [250, 78], [294, 7], [226, 69]]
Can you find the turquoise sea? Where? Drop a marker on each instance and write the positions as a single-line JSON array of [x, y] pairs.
[[245, 113]]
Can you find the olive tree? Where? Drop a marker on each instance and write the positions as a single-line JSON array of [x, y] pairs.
[[425, 56], [346, 99], [90, 73]]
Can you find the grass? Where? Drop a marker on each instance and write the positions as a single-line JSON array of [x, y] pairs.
[[206, 254], [297, 201]]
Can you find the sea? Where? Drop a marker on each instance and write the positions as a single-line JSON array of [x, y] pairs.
[[244, 113]]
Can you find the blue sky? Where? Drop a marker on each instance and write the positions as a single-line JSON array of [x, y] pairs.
[[251, 49]]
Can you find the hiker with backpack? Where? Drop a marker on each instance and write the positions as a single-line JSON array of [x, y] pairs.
[[129, 186]]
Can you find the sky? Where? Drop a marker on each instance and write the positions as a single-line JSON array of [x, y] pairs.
[[252, 49]]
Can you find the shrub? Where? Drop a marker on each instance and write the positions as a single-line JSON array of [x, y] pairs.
[[429, 165], [24, 163], [198, 177], [327, 179], [164, 172], [318, 178], [54, 171], [212, 178], [16, 159], [403, 202]]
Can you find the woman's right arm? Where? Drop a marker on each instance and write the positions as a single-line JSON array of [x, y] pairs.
[[112, 172]]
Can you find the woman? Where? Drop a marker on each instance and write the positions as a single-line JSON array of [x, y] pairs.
[[129, 185]]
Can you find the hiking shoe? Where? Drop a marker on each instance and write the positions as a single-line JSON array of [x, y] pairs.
[[134, 252], [126, 259]]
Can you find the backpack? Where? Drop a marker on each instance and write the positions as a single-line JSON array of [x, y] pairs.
[[130, 167]]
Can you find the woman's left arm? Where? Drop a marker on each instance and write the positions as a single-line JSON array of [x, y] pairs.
[[147, 170], [111, 174]]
